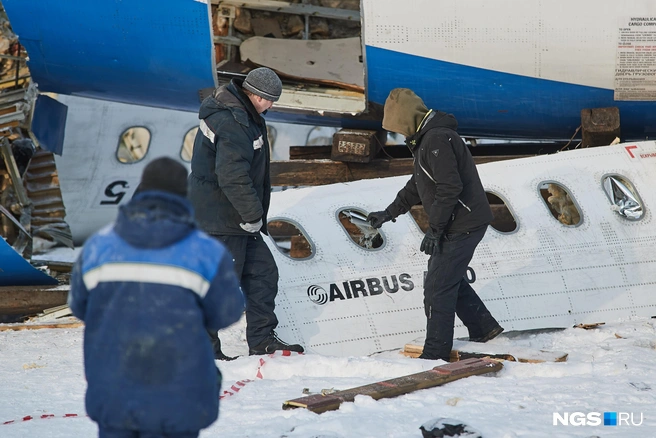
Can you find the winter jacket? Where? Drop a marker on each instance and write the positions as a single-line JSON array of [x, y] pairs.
[[148, 288], [445, 180], [229, 182]]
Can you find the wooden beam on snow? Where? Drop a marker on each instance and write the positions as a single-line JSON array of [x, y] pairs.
[[437, 376]]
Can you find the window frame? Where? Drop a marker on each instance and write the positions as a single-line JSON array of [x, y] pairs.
[[118, 146], [182, 147], [313, 247], [634, 191], [571, 196], [510, 209], [362, 211]]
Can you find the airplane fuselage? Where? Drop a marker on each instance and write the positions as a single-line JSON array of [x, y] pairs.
[[521, 69]]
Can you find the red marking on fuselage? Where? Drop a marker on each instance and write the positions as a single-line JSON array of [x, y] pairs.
[[628, 149]]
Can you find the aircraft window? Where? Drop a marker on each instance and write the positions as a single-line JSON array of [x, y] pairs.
[[272, 135], [504, 221], [133, 145], [187, 150], [623, 197], [421, 218], [560, 203], [354, 222], [290, 239], [320, 136]]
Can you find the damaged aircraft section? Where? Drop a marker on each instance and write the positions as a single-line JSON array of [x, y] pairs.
[[31, 207], [314, 45]]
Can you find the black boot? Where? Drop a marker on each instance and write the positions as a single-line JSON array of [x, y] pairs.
[[432, 357], [274, 343], [496, 331], [216, 346]]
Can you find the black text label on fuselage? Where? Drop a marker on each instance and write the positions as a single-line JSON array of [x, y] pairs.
[[366, 287]]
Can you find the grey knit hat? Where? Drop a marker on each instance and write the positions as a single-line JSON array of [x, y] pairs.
[[265, 83]]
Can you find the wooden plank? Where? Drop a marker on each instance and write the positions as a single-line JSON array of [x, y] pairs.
[[8, 110], [49, 315], [590, 326], [310, 152], [19, 327], [320, 172], [465, 350], [56, 309], [24, 300], [437, 376], [324, 152], [402, 151]]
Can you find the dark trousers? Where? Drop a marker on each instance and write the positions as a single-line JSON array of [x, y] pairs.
[[106, 432], [447, 293], [258, 274]]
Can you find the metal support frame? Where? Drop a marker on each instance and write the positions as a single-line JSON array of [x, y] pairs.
[[13, 220], [227, 40], [306, 19], [24, 238], [14, 174], [228, 11]]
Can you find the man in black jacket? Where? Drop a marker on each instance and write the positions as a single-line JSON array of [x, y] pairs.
[[445, 181], [230, 189]]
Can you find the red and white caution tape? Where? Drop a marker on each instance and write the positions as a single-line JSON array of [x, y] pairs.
[[234, 389], [41, 417]]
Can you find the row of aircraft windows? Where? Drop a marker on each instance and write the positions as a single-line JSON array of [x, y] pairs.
[[294, 243], [292, 240], [134, 143]]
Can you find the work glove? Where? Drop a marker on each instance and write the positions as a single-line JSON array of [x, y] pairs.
[[431, 242], [251, 227], [377, 218]]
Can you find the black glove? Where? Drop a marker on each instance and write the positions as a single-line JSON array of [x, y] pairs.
[[430, 243], [378, 218]]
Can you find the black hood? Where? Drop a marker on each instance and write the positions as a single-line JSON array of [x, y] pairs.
[[436, 119], [155, 219]]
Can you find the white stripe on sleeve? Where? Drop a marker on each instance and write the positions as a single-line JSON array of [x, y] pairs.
[[147, 273], [207, 132]]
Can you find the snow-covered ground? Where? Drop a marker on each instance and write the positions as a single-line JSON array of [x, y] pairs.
[[609, 369]]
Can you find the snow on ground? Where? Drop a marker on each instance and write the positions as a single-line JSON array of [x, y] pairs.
[[609, 369]]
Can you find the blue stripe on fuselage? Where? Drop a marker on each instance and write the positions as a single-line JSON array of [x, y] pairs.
[[148, 52], [491, 103], [159, 53]]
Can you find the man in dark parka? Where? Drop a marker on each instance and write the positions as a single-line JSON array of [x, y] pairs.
[[445, 181], [230, 190]]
